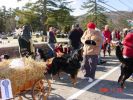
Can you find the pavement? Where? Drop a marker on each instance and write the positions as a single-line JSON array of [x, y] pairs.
[[105, 86], [10, 42]]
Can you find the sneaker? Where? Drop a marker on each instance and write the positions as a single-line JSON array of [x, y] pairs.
[[102, 62], [131, 78], [90, 80]]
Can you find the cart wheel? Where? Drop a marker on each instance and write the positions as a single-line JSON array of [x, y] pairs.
[[41, 89]]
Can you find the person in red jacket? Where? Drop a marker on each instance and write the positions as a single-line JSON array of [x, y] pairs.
[[128, 46], [118, 35], [107, 36]]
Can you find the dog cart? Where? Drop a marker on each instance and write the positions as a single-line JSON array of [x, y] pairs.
[[23, 78]]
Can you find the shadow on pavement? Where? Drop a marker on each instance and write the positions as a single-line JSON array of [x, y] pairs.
[[112, 89], [54, 96]]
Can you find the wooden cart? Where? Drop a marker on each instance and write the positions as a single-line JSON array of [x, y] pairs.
[[26, 79]]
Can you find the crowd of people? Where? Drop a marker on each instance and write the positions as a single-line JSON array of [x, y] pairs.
[[92, 40]]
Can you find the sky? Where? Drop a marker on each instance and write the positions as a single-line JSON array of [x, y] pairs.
[[121, 5]]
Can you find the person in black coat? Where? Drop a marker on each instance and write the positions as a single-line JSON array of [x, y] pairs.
[[51, 41], [25, 41], [74, 36]]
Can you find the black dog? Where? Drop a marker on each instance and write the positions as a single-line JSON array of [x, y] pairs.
[[69, 65], [41, 54], [126, 66]]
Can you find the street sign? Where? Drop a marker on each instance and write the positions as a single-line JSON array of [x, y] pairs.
[[6, 89]]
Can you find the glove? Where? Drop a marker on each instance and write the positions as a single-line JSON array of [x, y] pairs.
[[90, 42]]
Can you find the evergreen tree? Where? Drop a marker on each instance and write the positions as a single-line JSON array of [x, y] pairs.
[[95, 13], [7, 22], [55, 12]]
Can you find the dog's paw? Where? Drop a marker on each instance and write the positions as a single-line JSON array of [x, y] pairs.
[[74, 84], [123, 86]]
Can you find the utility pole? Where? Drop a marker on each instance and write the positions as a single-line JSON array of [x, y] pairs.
[[95, 12]]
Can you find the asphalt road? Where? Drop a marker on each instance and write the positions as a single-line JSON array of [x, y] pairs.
[[105, 87]]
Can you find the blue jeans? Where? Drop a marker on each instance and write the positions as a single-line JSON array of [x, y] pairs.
[[52, 48]]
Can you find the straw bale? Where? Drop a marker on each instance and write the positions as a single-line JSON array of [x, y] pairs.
[[20, 77], [4, 64]]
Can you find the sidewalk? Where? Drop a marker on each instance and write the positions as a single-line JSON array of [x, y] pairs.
[[14, 42], [12, 47]]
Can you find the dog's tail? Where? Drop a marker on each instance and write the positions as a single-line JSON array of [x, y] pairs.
[[119, 53]]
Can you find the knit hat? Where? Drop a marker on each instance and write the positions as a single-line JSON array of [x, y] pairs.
[[91, 25]]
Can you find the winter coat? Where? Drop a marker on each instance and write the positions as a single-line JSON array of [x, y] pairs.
[[128, 45], [95, 36], [51, 37], [107, 35], [27, 32], [75, 36]]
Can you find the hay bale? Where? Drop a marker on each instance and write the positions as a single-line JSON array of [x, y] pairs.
[[22, 77]]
